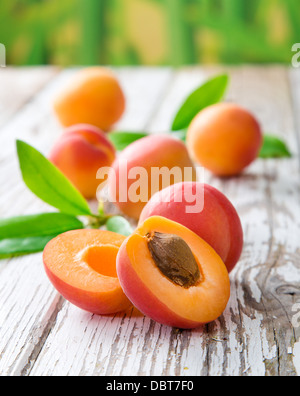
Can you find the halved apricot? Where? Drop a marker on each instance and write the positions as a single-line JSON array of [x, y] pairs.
[[159, 276], [81, 265]]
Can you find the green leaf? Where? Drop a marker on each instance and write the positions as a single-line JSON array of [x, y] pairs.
[[123, 139], [12, 247], [119, 225], [48, 183], [208, 94], [273, 147], [30, 234], [38, 225]]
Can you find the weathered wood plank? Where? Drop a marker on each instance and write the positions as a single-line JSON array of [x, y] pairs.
[[28, 303], [19, 85], [294, 78], [257, 335], [268, 278], [254, 336], [139, 355], [35, 123], [144, 90], [258, 338]]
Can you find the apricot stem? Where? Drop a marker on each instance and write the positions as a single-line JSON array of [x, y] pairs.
[[98, 221]]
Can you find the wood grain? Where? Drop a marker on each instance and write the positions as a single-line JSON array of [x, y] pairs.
[[18, 86], [42, 334]]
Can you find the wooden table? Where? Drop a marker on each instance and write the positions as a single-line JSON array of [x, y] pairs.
[[259, 334]]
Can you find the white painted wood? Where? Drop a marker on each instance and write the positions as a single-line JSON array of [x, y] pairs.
[[36, 124], [294, 79], [28, 302], [41, 334], [18, 86]]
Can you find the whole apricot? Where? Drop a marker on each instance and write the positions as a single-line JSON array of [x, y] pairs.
[[225, 139], [146, 167], [93, 96], [204, 210], [79, 153]]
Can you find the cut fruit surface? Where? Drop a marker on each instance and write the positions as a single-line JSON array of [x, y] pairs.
[[157, 296], [82, 267]]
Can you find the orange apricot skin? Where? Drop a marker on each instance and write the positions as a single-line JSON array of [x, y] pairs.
[[93, 96], [79, 153], [225, 139], [143, 298], [95, 303], [98, 302], [155, 151], [218, 223]]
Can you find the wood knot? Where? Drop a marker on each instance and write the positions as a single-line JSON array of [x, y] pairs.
[[288, 289]]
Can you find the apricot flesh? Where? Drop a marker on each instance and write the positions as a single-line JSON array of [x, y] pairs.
[[92, 96], [156, 295], [81, 265], [225, 139], [79, 153], [217, 221], [149, 154]]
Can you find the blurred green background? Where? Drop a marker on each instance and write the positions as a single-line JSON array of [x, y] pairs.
[[148, 32]]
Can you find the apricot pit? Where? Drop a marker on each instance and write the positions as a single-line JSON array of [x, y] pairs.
[[174, 258]]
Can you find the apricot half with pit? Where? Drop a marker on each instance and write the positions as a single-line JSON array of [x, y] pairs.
[[173, 276], [81, 265]]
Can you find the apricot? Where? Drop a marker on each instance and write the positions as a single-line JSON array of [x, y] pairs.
[[172, 275], [81, 265], [93, 96], [213, 217], [145, 167], [79, 153], [225, 139]]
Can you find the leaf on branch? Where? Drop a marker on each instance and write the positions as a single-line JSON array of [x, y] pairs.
[[121, 140], [48, 183], [30, 234], [273, 147], [210, 93]]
